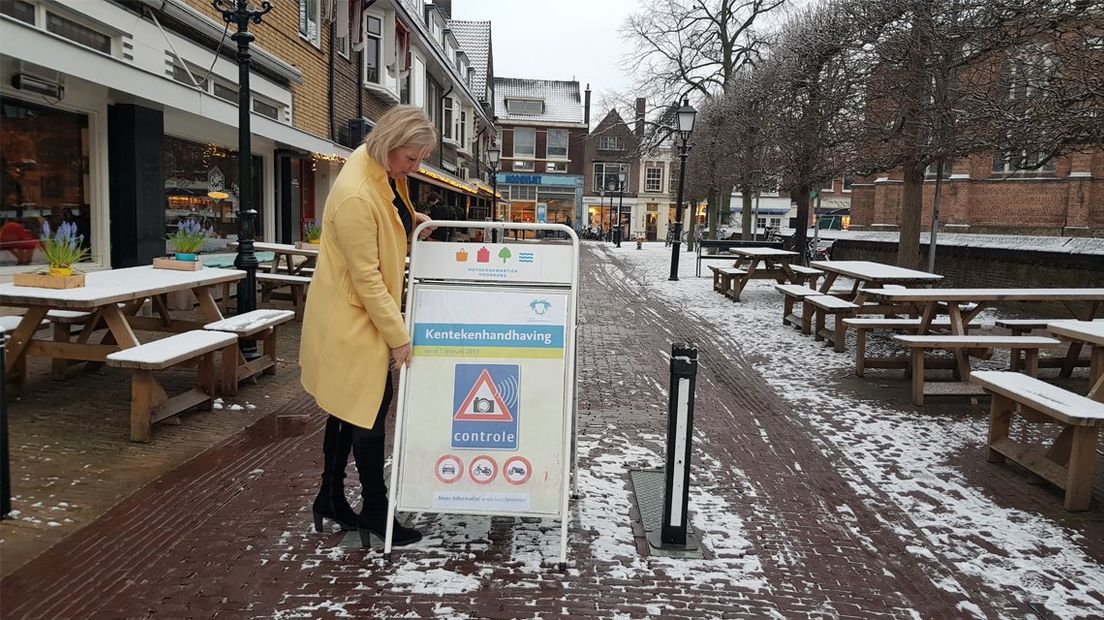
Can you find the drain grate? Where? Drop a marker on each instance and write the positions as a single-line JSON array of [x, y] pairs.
[[648, 486]]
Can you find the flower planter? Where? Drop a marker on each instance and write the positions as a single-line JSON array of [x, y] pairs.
[[178, 265], [49, 280], [306, 245]]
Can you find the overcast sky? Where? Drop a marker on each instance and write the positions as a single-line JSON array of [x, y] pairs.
[[556, 40]]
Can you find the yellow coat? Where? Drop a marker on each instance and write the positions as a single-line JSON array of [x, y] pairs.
[[352, 319]]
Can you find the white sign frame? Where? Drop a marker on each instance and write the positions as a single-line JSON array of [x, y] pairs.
[[432, 269]]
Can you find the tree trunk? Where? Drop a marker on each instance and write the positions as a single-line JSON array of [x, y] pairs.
[[747, 226], [710, 213], [801, 233], [912, 202], [723, 200]]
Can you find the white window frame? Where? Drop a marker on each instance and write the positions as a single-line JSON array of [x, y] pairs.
[[829, 188], [314, 39], [462, 127], [843, 184], [381, 68], [609, 143], [524, 165], [532, 154], [527, 107], [448, 119], [648, 170], [566, 144], [604, 174]]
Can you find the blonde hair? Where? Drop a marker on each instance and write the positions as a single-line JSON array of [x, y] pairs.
[[402, 125]]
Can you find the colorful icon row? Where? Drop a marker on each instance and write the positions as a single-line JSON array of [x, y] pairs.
[[483, 469]]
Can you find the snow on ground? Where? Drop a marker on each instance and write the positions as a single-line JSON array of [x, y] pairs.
[[1026, 554]]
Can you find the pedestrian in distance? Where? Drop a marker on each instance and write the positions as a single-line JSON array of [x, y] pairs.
[[353, 331]]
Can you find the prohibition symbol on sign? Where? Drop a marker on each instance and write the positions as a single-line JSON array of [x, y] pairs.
[[516, 470], [483, 469], [449, 468]]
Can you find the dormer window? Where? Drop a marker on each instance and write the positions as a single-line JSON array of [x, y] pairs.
[[525, 106]]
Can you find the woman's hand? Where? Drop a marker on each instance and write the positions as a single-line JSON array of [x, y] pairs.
[[418, 219], [400, 356]]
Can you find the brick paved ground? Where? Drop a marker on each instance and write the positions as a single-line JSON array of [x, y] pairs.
[[806, 509]]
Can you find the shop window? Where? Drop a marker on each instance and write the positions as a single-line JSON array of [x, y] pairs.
[[309, 18], [557, 143], [525, 142], [78, 33], [188, 168], [17, 9], [373, 43], [44, 164]]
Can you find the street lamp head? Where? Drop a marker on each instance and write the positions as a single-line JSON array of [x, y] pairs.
[[493, 154], [621, 177], [686, 115]]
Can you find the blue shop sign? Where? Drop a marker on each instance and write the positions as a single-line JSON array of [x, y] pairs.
[[524, 179]]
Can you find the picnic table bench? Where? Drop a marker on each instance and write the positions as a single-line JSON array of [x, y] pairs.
[[959, 343], [259, 326], [149, 402], [1070, 461]]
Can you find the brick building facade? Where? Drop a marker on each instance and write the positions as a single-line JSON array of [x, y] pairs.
[[981, 195]]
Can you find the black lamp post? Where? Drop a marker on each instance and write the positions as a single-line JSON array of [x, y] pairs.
[[617, 232], [610, 188], [493, 153], [237, 12], [686, 115]]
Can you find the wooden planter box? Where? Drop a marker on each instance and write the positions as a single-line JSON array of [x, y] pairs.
[[303, 245], [45, 280], [179, 265]]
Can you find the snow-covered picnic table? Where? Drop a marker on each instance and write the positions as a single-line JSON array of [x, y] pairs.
[[870, 274], [113, 297], [1090, 333], [761, 264]]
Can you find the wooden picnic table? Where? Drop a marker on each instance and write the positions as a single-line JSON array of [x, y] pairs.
[[762, 264], [870, 274], [930, 300], [1080, 333], [287, 252], [113, 297]]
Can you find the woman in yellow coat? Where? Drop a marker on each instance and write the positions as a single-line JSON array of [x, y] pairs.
[[353, 331]]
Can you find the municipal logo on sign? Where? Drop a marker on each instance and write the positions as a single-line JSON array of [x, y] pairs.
[[483, 469], [449, 468], [517, 470], [485, 404]]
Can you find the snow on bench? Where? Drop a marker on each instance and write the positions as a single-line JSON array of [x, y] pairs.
[[250, 323], [722, 277], [259, 326], [166, 352], [791, 294], [149, 403], [823, 305], [9, 323], [1071, 460]]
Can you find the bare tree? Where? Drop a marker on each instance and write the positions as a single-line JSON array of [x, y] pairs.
[[693, 48], [814, 83], [940, 88]]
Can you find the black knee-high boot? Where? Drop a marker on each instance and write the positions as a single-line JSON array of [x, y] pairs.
[[369, 455], [368, 452], [331, 503]]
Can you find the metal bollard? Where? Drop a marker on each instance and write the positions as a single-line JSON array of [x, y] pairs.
[[680, 429]]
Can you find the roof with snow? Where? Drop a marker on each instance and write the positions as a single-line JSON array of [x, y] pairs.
[[562, 102], [474, 38]]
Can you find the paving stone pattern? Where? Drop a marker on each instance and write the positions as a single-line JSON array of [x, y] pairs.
[[227, 534]]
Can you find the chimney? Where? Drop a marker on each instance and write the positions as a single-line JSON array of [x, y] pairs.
[[586, 107], [640, 103]]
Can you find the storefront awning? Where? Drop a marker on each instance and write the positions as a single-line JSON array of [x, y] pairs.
[[429, 174], [485, 189]]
